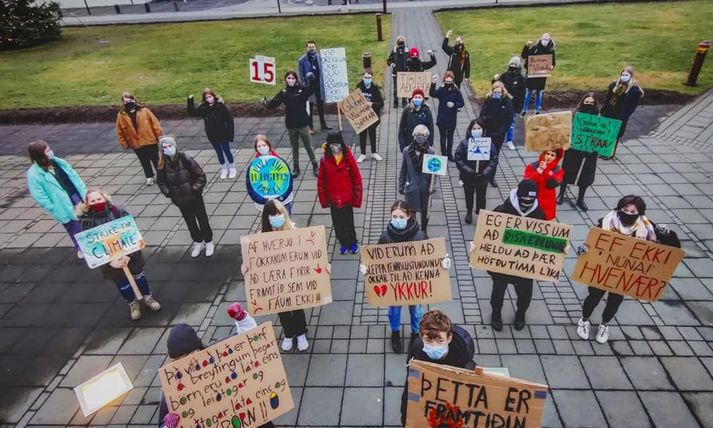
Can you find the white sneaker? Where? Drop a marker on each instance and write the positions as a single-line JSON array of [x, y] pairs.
[[286, 344], [583, 329], [151, 303], [460, 183], [603, 333], [361, 158], [135, 310], [223, 173], [149, 181], [302, 343], [232, 172], [80, 254], [510, 145], [376, 157], [197, 248], [209, 249]]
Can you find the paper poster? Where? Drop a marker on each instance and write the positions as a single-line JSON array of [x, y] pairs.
[[435, 164], [287, 270], [358, 112], [110, 241], [407, 81], [334, 73], [624, 265], [268, 177], [441, 396], [479, 149], [262, 69], [239, 382], [520, 246], [595, 134], [539, 65], [406, 273], [548, 131]]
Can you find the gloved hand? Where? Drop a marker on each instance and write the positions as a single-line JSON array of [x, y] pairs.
[[450, 104], [447, 263], [363, 269], [264, 101], [171, 420], [582, 249], [434, 78], [309, 75], [80, 209], [448, 34]]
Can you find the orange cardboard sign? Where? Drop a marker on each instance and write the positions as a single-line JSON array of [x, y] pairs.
[[549, 131], [539, 65]]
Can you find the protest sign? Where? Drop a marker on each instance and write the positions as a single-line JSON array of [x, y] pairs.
[[239, 382], [287, 270], [358, 111], [434, 164], [110, 241], [519, 246], [548, 131], [268, 177], [444, 396], [407, 81], [334, 74], [406, 273], [262, 69], [539, 65], [479, 149], [595, 134], [625, 265]]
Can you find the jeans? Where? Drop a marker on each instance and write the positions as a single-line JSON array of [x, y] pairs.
[[343, 222], [148, 155], [478, 190], [371, 131], [128, 293], [523, 290], [223, 152], [196, 218], [293, 323], [295, 136], [415, 311], [511, 131], [592, 300], [446, 134], [528, 97], [73, 227]]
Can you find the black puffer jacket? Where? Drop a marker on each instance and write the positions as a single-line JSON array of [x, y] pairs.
[[181, 179], [497, 115], [373, 95], [412, 232], [294, 98], [475, 172], [515, 84], [410, 118], [219, 126]]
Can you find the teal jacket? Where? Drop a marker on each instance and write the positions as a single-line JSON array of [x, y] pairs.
[[50, 194]]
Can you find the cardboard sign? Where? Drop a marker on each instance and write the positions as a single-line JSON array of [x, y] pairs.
[[624, 265], [358, 111], [520, 246], [479, 149], [268, 177], [287, 270], [595, 134], [262, 69], [407, 273], [110, 241], [407, 81], [435, 164], [444, 396], [548, 131], [539, 65], [239, 382], [334, 74]]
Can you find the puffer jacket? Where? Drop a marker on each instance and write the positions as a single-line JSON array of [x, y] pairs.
[[547, 183], [497, 115], [147, 131], [410, 118], [447, 116], [475, 172], [219, 126], [181, 179]]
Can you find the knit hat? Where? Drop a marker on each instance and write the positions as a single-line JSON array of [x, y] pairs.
[[420, 130], [335, 137], [168, 140], [414, 52], [527, 188], [236, 312], [418, 91], [514, 62], [182, 340]]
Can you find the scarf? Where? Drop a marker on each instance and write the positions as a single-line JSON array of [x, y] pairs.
[[516, 204], [641, 229]]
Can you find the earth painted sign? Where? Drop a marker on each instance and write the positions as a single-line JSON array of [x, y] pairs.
[[406, 273], [407, 81], [110, 241], [434, 164], [441, 396], [479, 149], [268, 177], [286, 270], [334, 73], [520, 246], [539, 65], [237, 383], [624, 265], [595, 134], [358, 111], [550, 131]]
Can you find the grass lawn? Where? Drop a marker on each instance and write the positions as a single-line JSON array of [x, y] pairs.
[[164, 63], [594, 42]]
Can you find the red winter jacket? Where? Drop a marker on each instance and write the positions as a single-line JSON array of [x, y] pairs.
[[339, 186], [547, 183]]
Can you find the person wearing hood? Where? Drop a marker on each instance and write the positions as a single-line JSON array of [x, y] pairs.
[[622, 99], [580, 167], [515, 85], [398, 60], [219, 128], [450, 100], [544, 46], [497, 115], [56, 187], [522, 202], [628, 218], [416, 113], [295, 97], [372, 94], [339, 187], [182, 179], [99, 210], [440, 342], [138, 129], [310, 69], [458, 58], [263, 147], [548, 175], [416, 186], [414, 62], [475, 174]]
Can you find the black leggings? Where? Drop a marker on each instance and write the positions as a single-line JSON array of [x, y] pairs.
[[446, 134], [371, 132], [592, 300]]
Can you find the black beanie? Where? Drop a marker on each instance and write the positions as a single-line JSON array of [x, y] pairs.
[[182, 340], [335, 137], [527, 188]]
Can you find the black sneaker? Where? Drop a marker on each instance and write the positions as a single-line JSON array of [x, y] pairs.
[[560, 199], [469, 218], [582, 205], [414, 336], [396, 341], [396, 104], [523, 113], [315, 169], [496, 322], [519, 322], [494, 183], [295, 171], [325, 127]]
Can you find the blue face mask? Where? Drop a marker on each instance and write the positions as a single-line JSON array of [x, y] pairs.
[[367, 82], [435, 352], [399, 223], [476, 133], [277, 221], [497, 95], [417, 102], [169, 151], [49, 154]]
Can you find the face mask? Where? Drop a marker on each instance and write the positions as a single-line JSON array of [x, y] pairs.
[[130, 105], [49, 154], [399, 223], [588, 108], [526, 203], [291, 81], [401, 44], [627, 219], [98, 207], [367, 82], [209, 100], [417, 102], [496, 95], [263, 150], [625, 77], [277, 221], [169, 151], [449, 83], [421, 140], [435, 352], [513, 69], [476, 133], [335, 148], [545, 42]]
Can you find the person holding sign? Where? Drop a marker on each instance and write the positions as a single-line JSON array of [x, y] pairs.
[[458, 58], [622, 99], [497, 115], [138, 129], [416, 113], [544, 46], [515, 85], [476, 163], [450, 100], [580, 167], [219, 128], [440, 342], [310, 68], [397, 60], [415, 64], [339, 187], [413, 183], [548, 175], [263, 147], [99, 210], [373, 96]]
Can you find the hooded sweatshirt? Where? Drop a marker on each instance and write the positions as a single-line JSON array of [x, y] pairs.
[[547, 183]]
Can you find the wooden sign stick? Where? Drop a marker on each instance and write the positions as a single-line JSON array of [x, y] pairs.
[[132, 282], [339, 117]]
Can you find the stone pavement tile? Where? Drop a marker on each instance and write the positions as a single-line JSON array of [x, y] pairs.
[[701, 404], [646, 373], [191, 313], [365, 370], [674, 313], [106, 340], [578, 408], [623, 409], [395, 372], [691, 289], [336, 313], [85, 367], [392, 407], [59, 408], [564, 372], [362, 407], [702, 311], [667, 409], [296, 368], [16, 401], [526, 367], [142, 340], [605, 373], [327, 370], [688, 373], [320, 407], [144, 414]]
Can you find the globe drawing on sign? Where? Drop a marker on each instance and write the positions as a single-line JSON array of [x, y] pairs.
[[268, 177], [434, 165], [479, 149]]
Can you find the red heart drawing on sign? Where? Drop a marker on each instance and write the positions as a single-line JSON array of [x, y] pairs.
[[380, 290]]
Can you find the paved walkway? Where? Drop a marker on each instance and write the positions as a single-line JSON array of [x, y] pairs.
[[60, 323]]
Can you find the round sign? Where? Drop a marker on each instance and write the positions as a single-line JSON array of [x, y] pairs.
[[268, 177], [434, 164]]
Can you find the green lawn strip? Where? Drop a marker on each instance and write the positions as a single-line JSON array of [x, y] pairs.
[[594, 42], [164, 63]]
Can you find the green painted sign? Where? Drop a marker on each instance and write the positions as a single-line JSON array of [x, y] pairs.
[[595, 134], [522, 238]]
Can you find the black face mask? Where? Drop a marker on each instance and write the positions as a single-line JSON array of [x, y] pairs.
[[401, 44], [526, 203], [627, 219], [513, 69], [130, 105], [588, 109]]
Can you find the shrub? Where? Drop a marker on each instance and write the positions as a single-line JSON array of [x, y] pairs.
[[24, 23]]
